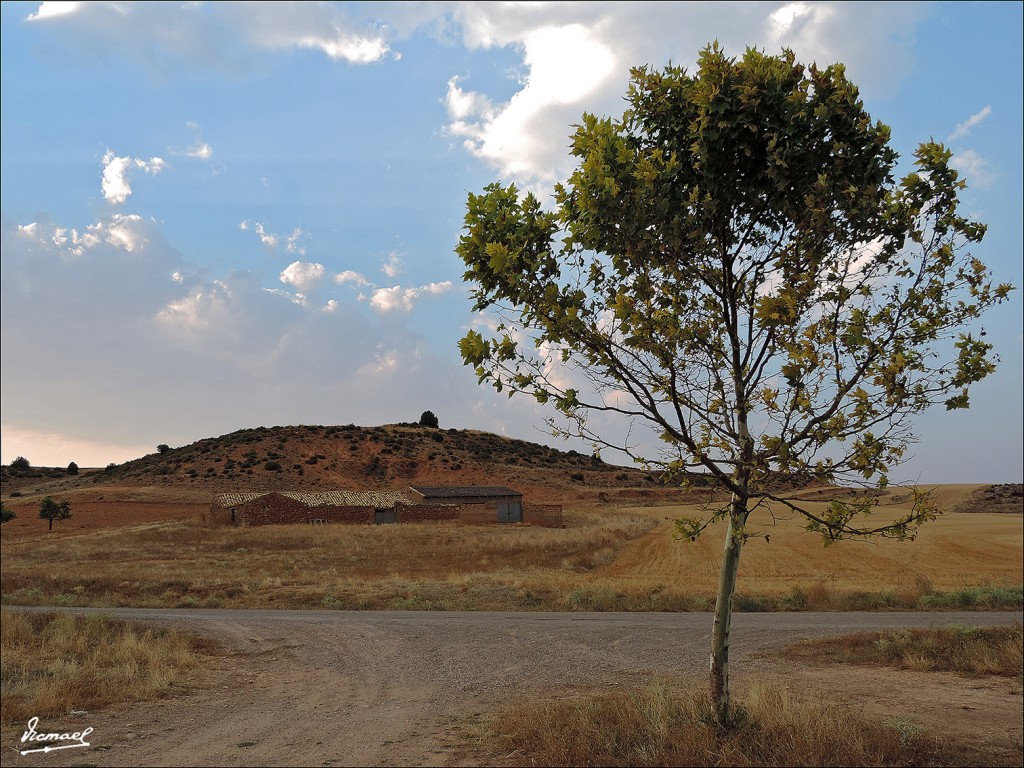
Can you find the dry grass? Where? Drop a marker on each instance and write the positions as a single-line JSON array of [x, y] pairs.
[[52, 664], [965, 649], [659, 725], [606, 558]]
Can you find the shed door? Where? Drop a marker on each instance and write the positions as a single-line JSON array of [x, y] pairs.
[[510, 512], [383, 516]]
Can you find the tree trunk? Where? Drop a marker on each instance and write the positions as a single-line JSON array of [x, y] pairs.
[[51, 523], [723, 611]]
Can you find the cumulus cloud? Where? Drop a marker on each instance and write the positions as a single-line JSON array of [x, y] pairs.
[[964, 128], [128, 232], [302, 275], [270, 239], [349, 276], [52, 10], [576, 57], [116, 170], [396, 298]]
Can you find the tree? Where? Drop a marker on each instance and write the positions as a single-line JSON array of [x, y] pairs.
[[428, 419], [163, 448], [6, 515], [72, 468], [734, 264], [21, 463], [52, 510]]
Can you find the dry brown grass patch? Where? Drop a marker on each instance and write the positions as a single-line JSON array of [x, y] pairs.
[[961, 648], [659, 725], [53, 663]]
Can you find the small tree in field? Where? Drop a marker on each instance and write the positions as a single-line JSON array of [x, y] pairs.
[[72, 468], [734, 263], [52, 510], [428, 419]]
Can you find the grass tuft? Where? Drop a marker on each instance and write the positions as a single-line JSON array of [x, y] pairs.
[[658, 725], [53, 663], [965, 649]]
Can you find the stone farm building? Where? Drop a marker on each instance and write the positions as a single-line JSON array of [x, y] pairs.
[[465, 504]]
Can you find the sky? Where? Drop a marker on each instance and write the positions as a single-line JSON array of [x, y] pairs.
[[225, 215]]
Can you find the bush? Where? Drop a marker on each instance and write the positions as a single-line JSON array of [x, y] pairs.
[[21, 463], [163, 448], [6, 514], [428, 419], [72, 468], [272, 466]]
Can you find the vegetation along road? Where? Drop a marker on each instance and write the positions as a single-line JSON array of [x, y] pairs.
[[410, 688]]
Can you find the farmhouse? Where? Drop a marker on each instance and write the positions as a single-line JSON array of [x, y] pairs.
[[465, 504]]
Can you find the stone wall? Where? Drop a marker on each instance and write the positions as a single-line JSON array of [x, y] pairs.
[[275, 509]]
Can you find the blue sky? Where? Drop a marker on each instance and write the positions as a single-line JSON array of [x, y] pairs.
[[226, 215]]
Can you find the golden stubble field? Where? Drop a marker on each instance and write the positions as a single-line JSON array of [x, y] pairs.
[[608, 557]]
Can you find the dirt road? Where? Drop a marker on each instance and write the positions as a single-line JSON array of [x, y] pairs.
[[332, 688]]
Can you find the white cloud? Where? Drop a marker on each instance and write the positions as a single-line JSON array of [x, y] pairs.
[[52, 10], [348, 276], [964, 128], [302, 275], [127, 232], [272, 240], [393, 266], [218, 33], [116, 171], [397, 298], [576, 58], [975, 169]]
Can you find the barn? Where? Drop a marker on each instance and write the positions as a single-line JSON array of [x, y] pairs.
[[278, 507], [495, 503]]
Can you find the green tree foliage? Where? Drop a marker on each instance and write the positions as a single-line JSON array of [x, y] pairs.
[[72, 468], [428, 419], [734, 263], [21, 463], [163, 448], [53, 510], [6, 515]]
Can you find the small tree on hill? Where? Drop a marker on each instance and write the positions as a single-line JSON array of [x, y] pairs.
[[428, 419], [163, 448], [21, 463], [72, 468], [52, 510], [733, 263]]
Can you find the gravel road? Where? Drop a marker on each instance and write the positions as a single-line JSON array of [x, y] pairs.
[[402, 688]]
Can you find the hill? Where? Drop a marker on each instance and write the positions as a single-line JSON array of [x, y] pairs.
[[312, 458]]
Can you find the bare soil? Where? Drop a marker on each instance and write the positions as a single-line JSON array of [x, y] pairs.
[[405, 688]]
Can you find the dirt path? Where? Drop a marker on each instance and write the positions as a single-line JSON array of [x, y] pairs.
[[403, 688]]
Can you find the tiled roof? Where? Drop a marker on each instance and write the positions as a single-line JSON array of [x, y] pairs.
[[376, 499], [461, 491]]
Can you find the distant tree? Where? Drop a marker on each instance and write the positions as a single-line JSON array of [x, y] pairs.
[[52, 510], [6, 514], [163, 448], [21, 463], [428, 419], [734, 262], [72, 468]]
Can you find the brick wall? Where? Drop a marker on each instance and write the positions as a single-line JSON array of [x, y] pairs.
[[275, 509], [418, 513]]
